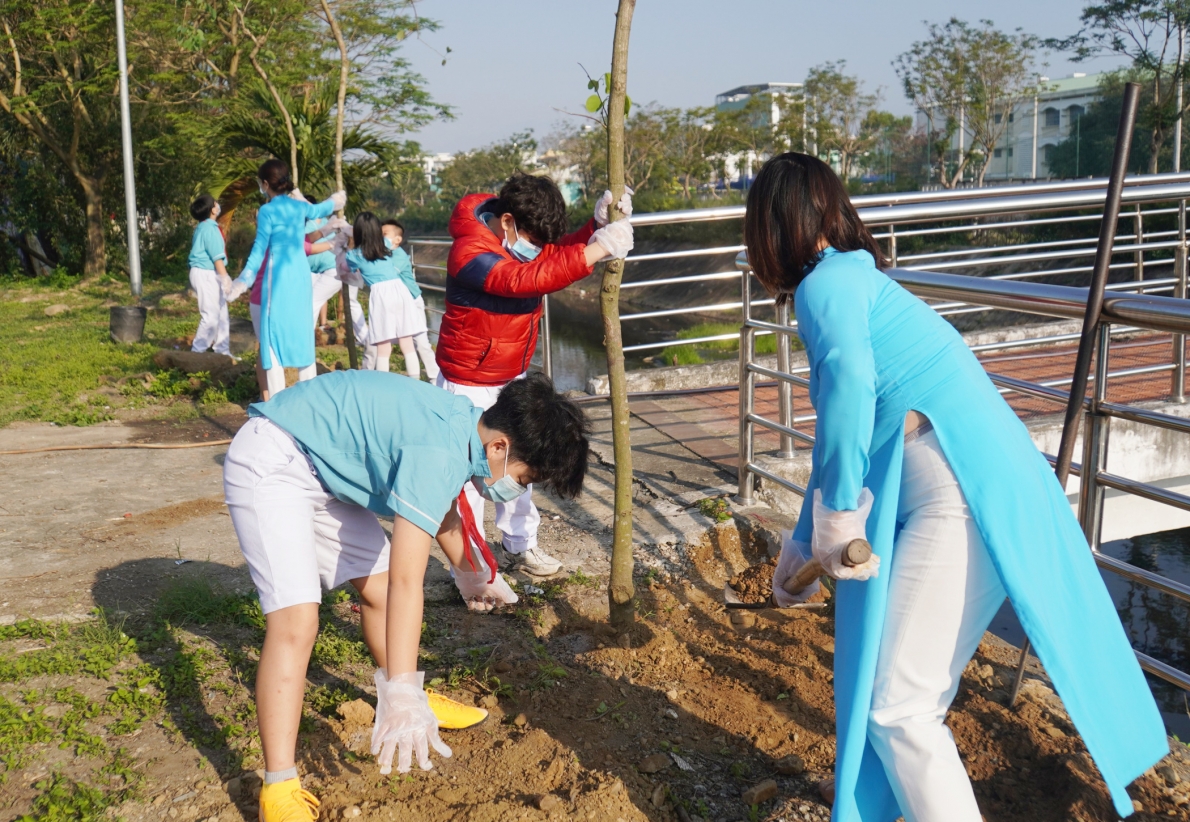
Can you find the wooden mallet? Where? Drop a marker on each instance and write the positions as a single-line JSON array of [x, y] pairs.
[[857, 552]]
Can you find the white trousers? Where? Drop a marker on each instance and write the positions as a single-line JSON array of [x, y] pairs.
[[327, 285], [275, 376], [213, 325], [411, 347], [294, 534], [517, 521], [943, 592]]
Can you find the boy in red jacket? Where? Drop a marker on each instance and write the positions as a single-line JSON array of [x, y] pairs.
[[509, 251]]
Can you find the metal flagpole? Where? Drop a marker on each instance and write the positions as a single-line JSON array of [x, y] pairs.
[[133, 227]]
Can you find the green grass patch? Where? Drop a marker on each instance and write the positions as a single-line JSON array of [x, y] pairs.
[[200, 600], [697, 353]]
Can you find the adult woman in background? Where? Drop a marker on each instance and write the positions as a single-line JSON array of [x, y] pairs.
[[286, 325], [916, 451]]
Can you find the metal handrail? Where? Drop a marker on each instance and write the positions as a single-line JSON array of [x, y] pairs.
[[1138, 312]]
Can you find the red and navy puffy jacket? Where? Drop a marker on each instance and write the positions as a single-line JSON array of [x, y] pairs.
[[493, 300]]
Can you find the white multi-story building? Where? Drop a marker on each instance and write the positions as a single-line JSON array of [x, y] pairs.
[[1035, 126], [432, 165], [780, 96]]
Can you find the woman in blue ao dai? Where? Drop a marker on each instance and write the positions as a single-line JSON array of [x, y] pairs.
[[916, 451]]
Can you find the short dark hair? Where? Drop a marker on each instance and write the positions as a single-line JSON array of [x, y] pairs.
[[537, 206], [276, 174], [394, 224], [368, 237], [795, 201], [200, 209], [545, 430]]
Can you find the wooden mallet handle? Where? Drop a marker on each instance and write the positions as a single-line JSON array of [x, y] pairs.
[[857, 552]]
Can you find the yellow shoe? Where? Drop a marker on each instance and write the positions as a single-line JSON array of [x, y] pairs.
[[454, 715], [287, 802]]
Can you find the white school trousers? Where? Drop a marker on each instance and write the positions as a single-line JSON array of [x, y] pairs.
[[326, 285], [296, 537], [213, 325], [943, 592], [517, 521]]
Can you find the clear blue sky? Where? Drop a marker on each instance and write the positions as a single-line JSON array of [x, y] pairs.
[[513, 62]]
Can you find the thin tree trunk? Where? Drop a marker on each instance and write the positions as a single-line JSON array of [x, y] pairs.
[[620, 590], [257, 44], [344, 67], [95, 262]]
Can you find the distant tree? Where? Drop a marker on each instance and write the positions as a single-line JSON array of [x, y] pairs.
[[487, 169], [973, 76], [838, 106], [891, 151], [689, 142], [252, 130], [1147, 33]]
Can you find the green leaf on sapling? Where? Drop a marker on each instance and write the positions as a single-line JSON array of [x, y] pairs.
[[627, 104], [594, 103]]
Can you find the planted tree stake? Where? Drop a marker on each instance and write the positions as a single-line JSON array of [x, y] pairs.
[[620, 590], [340, 113]]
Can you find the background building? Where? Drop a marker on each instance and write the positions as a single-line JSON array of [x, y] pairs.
[[1035, 126]]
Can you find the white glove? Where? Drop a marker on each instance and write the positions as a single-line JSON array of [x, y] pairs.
[[296, 194], [339, 244], [614, 238], [225, 284], [334, 224], [794, 554], [339, 198], [236, 291], [604, 203], [347, 274], [834, 531], [478, 593], [404, 723]]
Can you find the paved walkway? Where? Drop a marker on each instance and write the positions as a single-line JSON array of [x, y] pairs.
[[708, 423]]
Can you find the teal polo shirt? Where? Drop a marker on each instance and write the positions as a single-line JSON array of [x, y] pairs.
[[396, 446], [207, 246]]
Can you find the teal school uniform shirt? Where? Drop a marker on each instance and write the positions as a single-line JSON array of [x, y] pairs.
[[373, 271], [395, 446], [325, 260], [207, 246]]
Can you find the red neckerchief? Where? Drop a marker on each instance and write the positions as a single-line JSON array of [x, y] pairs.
[[472, 534]]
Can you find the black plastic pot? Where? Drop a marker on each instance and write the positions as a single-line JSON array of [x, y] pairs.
[[127, 323]]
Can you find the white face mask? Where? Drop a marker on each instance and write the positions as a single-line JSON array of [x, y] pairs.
[[216, 211], [522, 249], [505, 489]]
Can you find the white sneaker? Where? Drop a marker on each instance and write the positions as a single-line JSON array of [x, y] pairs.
[[535, 562]]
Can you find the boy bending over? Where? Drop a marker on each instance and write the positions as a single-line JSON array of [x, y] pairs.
[[305, 480]]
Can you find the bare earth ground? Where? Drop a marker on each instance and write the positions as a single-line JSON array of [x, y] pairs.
[[145, 713]]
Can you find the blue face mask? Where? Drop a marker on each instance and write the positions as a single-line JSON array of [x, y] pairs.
[[522, 249], [505, 489]]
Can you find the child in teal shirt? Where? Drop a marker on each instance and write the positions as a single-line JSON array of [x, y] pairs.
[[305, 480], [208, 277]]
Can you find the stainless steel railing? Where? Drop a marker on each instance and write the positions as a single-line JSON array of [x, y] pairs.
[[958, 218], [1143, 312]]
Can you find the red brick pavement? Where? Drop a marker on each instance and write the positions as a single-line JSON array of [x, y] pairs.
[[708, 424]]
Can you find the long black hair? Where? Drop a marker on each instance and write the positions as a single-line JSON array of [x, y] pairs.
[[369, 237], [795, 202]]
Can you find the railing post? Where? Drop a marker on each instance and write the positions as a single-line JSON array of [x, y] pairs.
[[1096, 429], [1139, 225], [1178, 391], [547, 359], [784, 389], [892, 245], [747, 382]]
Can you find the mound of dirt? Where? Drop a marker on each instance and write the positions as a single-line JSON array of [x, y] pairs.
[[755, 585]]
